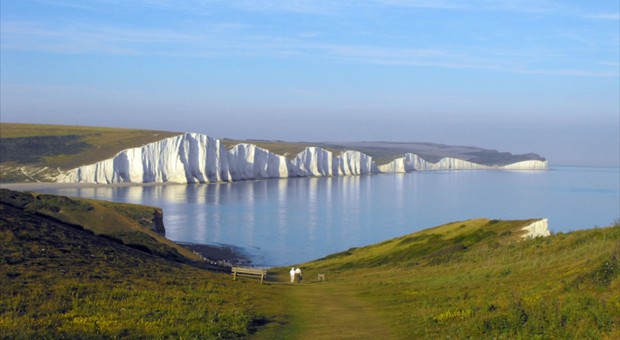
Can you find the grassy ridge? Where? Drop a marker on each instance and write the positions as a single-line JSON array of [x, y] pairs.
[[431, 246], [472, 279]]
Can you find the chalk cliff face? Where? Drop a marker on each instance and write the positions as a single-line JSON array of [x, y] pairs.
[[394, 167], [539, 228], [247, 161], [196, 158], [412, 162], [527, 165], [187, 158], [353, 163], [314, 161]]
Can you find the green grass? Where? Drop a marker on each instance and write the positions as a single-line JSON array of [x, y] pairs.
[[127, 224], [563, 286], [40, 149], [61, 281], [470, 279]]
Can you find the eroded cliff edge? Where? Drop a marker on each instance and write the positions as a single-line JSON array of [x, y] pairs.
[[198, 158]]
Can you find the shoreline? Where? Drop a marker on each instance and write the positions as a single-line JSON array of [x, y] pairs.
[[33, 186], [24, 186], [49, 185], [225, 256]]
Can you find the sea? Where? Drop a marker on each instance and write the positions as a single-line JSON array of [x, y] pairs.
[[281, 222]]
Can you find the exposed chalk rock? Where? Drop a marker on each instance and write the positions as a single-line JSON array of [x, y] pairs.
[[247, 161], [187, 158], [527, 165], [353, 163], [412, 162], [539, 228], [197, 158], [314, 161], [396, 166]]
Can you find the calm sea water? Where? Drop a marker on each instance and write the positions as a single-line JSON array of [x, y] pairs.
[[279, 222]]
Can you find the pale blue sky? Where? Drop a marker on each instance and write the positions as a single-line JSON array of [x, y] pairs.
[[514, 75]]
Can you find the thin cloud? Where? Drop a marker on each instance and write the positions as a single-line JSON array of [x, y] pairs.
[[84, 39], [234, 37], [112, 40], [604, 16], [429, 4]]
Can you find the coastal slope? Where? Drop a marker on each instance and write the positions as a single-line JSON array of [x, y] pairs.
[[64, 276], [473, 279]]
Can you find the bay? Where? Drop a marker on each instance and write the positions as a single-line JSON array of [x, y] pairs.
[[286, 221]]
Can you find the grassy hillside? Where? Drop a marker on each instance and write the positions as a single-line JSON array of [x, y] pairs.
[[31, 152], [477, 279], [471, 279], [128, 224], [60, 281]]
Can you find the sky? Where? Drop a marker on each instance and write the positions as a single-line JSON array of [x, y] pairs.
[[513, 75]]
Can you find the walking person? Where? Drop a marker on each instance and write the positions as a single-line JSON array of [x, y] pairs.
[[292, 273], [298, 272]]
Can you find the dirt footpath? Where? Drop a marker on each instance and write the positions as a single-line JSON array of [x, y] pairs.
[[328, 310]]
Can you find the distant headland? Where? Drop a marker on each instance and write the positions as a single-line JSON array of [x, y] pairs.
[[68, 154]]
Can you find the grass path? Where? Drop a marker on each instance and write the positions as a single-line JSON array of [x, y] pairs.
[[329, 310]]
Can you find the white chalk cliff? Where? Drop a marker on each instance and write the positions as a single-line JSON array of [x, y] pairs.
[[197, 158], [314, 161], [187, 158], [539, 228], [529, 165], [248, 161], [353, 163], [412, 162]]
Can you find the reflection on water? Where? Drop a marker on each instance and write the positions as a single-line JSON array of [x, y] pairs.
[[293, 220]]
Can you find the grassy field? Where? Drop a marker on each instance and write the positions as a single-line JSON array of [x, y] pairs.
[[57, 281], [30, 152], [471, 279]]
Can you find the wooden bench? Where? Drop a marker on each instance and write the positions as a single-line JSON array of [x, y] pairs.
[[249, 272]]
